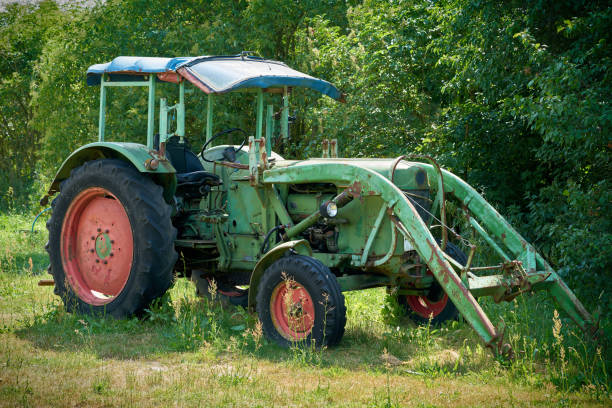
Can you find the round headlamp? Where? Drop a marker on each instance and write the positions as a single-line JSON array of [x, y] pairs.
[[329, 209]]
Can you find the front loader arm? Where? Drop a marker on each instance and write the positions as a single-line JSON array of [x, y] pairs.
[[534, 272], [508, 238], [362, 181]]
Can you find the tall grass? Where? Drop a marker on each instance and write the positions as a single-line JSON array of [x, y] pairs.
[[377, 353]]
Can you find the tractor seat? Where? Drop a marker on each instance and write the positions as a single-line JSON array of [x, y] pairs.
[[181, 156], [191, 178], [198, 177]]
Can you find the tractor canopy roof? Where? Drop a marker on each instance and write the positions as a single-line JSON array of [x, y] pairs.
[[212, 74]]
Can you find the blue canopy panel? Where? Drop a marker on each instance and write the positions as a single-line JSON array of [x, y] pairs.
[[126, 68], [225, 74], [212, 74]]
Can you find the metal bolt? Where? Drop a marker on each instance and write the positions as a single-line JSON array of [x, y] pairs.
[[99, 229], [97, 261], [112, 241], [111, 254], [105, 262], [93, 238], [91, 250], [106, 231]]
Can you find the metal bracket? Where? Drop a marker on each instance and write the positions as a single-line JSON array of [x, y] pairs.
[[333, 146], [325, 148], [370, 241]]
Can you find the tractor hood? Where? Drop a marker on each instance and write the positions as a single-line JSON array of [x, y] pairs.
[[406, 176]]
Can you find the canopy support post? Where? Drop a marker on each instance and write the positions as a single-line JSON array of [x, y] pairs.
[[269, 129], [163, 121], [285, 115], [151, 113], [209, 117], [101, 122], [259, 123], [180, 112]]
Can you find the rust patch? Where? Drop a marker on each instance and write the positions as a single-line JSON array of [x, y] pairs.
[[169, 76], [151, 164], [195, 81], [46, 282], [355, 189]]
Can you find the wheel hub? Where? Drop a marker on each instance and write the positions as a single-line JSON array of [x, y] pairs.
[[292, 311], [103, 245], [296, 310]]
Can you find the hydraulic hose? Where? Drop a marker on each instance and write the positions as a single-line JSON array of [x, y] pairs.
[[39, 214]]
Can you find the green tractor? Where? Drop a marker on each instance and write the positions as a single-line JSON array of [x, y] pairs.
[[283, 237]]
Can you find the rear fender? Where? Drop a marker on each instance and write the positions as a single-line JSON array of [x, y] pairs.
[[300, 246], [134, 153]]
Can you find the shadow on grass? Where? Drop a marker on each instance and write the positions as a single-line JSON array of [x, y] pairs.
[[194, 328], [191, 326]]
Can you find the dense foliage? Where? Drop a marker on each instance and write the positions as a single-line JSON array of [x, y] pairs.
[[513, 96]]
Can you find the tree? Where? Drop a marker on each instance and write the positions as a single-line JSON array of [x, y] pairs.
[[24, 31]]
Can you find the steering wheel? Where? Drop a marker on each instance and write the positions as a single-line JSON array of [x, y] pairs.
[[221, 133]]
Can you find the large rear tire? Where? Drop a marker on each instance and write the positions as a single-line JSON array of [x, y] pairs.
[[111, 240], [299, 302], [436, 305]]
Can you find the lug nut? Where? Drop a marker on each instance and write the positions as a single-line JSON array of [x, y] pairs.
[[93, 238], [112, 241], [99, 229], [111, 254], [97, 261], [105, 262], [106, 231], [91, 250]]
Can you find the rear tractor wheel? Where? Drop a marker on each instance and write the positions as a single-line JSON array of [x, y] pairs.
[[436, 305], [111, 240], [299, 302]]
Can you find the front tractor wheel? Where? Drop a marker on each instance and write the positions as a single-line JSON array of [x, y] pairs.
[[111, 240], [299, 302], [436, 305]]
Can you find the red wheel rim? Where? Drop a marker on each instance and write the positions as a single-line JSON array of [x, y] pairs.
[[292, 310], [97, 246], [425, 307]]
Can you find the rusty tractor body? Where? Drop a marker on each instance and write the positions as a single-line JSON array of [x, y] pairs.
[[283, 237]]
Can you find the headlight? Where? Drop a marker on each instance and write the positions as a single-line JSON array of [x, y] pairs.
[[328, 209]]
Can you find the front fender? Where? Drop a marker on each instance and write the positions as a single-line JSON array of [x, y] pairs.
[[300, 246], [134, 153]]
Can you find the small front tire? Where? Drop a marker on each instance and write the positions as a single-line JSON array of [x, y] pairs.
[[299, 302]]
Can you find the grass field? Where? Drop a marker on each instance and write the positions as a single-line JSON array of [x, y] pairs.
[[193, 352]]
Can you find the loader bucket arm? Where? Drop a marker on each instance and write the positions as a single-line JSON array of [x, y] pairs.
[[362, 181], [494, 224]]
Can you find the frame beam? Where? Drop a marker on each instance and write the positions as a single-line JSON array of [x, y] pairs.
[[101, 122], [151, 113], [209, 117]]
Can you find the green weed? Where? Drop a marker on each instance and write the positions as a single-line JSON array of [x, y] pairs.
[[128, 361]]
